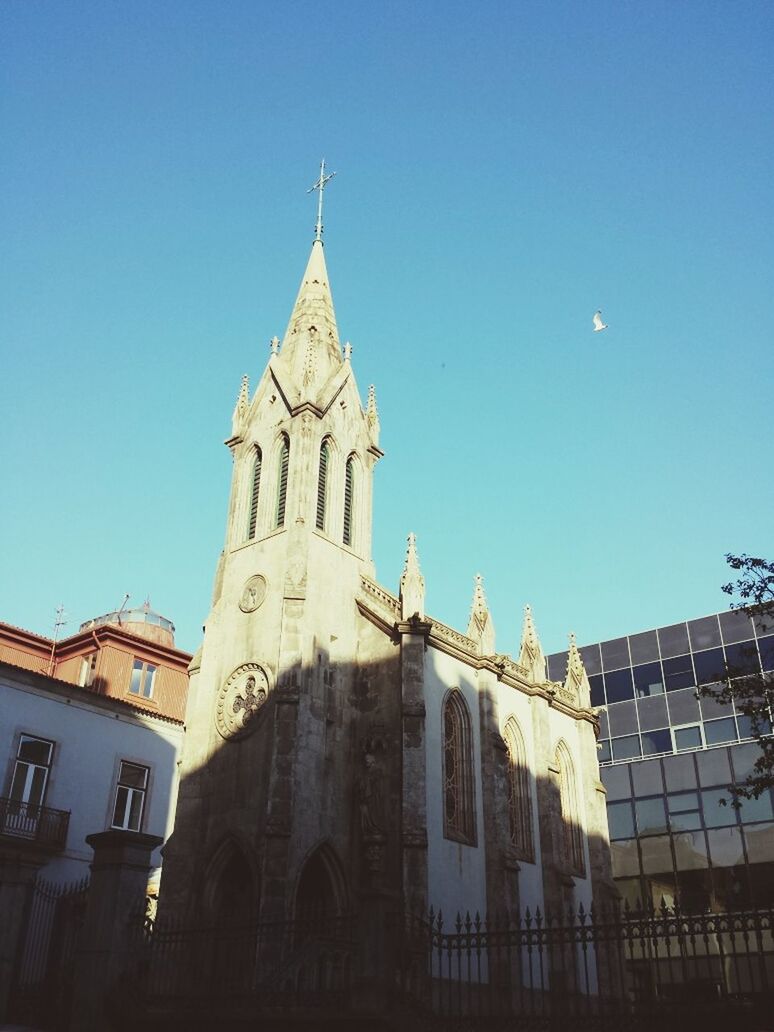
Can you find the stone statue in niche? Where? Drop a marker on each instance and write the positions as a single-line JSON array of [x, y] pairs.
[[369, 796]]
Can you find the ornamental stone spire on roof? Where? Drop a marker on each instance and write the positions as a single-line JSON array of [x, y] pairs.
[[412, 584], [577, 680], [311, 353], [531, 652], [241, 408], [481, 626]]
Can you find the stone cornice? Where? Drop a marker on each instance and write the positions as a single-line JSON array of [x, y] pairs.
[[382, 608]]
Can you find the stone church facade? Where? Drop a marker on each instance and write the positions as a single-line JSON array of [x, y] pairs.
[[342, 745]]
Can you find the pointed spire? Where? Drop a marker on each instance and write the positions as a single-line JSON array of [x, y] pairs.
[[310, 348], [372, 415], [481, 625], [241, 407], [531, 654], [412, 584], [576, 680]]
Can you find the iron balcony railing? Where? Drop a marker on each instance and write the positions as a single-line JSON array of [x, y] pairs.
[[40, 825]]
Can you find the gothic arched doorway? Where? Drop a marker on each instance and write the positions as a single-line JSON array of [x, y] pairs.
[[321, 888]]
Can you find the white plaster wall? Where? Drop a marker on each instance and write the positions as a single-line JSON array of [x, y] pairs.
[[90, 741], [456, 872], [565, 727], [511, 702]]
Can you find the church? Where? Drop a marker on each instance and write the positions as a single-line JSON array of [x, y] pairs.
[[343, 746]]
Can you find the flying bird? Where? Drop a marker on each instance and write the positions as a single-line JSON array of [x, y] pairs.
[[598, 324]]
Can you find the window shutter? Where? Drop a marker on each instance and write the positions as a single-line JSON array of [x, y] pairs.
[[282, 487], [322, 486], [349, 492], [254, 495]]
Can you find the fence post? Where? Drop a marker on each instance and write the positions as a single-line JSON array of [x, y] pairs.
[[116, 897], [17, 874]]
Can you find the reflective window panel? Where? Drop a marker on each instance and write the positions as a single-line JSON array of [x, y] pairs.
[[597, 690], [648, 679], [710, 666], [619, 685], [734, 626], [620, 820], [742, 659], [673, 640], [759, 809], [687, 737], [626, 748], [657, 741], [653, 712], [766, 646], [717, 732], [591, 660], [623, 718], [643, 647], [679, 773], [718, 811], [704, 633], [646, 778], [678, 673], [714, 767], [616, 782], [683, 707], [615, 654], [603, 751], [711, 709], [651, 816]]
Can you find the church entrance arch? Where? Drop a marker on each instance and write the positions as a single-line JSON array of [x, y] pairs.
[[321, 887], [230, 896]]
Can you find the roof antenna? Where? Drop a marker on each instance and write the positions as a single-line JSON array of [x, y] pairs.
[[59, 622], [320, 185], [118, 614]]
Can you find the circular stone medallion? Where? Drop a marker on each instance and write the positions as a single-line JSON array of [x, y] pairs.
[[253, 593], [240, 699]]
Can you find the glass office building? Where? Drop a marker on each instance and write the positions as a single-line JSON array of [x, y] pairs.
[[668, 757]]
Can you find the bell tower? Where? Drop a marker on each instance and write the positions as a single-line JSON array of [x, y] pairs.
[[282, 635]]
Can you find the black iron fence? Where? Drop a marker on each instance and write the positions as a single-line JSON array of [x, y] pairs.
[[39, 824], [304, 960], [623, 968], [620, 969], [46, 954]]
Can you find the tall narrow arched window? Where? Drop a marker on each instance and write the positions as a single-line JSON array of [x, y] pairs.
[[282, 483], [572, 836], [459, 820], [322, 484], [519, 805], [349, 499], [255, 488]]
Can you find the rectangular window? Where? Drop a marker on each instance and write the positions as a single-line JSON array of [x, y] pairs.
[[688, 737], [30, 773], [130, 796], [88, 666], [143, 679]]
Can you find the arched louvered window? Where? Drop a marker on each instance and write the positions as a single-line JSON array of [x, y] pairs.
[[572, 836], [459, 821], [349, 499], [282, 484], [519, 806], [322, 484], [254, 491]]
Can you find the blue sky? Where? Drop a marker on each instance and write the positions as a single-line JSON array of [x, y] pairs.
[[504, 169]]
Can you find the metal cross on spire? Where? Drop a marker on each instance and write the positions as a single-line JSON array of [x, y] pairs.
[[320, 186]]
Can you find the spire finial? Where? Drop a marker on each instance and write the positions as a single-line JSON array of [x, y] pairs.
[[531, 653], [576, 679], [320, 185], [412, 584], [480, 625]]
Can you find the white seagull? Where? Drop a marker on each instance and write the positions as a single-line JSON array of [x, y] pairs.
[[598, 324]]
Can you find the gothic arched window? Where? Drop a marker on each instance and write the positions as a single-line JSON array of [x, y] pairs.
[[572, 837], [519, 804], [349, 499], [322, 484], [282, 483], [255, 488], [459, 821]]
